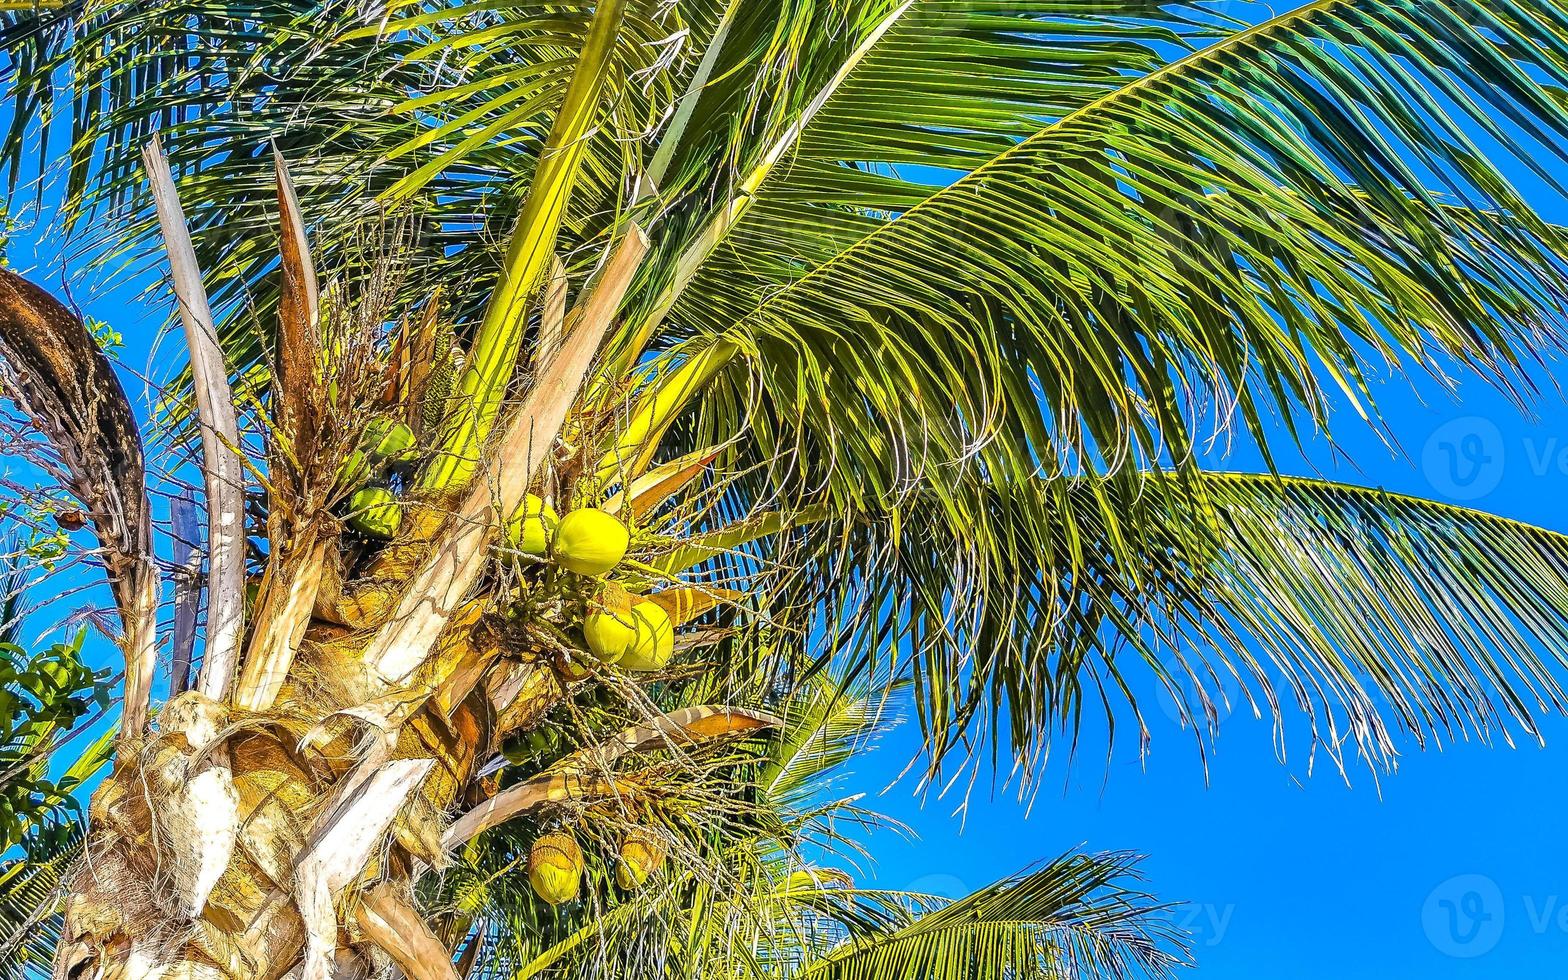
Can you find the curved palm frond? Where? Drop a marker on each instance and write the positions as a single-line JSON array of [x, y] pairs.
[[944, 86], [30, 898], [1211, 239], [828, 723], [1364, 612], [1230, 225], [1076, 917]]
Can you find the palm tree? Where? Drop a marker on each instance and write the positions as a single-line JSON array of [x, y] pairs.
[[855, 333]]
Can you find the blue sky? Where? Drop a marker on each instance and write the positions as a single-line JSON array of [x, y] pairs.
[[1453, 867]]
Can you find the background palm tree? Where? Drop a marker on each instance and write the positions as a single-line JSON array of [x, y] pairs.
[[765, 907], [49, 699], [924, 309]]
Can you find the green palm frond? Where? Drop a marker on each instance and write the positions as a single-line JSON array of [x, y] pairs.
[[1364, 613], [31, 889], [14, 574], [945, 86], [1079, 916], [1213, 239], [503, 72], [953, 83], [827, 723]]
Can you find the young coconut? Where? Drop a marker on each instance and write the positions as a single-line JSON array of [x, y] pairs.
[[555, 868], [374, 512], [642, 854], [384, 441], [590, 542], [571, 668], [532, 527], [654, 642], [610, 628]]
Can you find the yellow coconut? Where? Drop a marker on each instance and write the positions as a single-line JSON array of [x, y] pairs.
[[610, 635], [642, 854], [590, 542], [555, 868], [532, 527], [610, 629], [654, 642]]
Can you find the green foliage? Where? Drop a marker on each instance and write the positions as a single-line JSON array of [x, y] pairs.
[[43, 696], [1076, 916], [46, 699], [108, 338]]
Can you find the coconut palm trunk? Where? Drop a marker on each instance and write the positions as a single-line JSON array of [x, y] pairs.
[[276, 817]]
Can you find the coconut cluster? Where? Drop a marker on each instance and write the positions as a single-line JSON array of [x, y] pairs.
[[556, 863], [632, 633], [621, 630], [373, 509]]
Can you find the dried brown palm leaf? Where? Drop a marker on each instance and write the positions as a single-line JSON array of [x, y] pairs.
[[300, 394], [572, 778], [391, 922], [55, 372], [552, 315]]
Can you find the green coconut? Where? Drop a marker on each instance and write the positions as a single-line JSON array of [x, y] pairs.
[[590, 542], [555, 868], [386, 439], [383, 442], [653, 644], [642, 854], [532, 527], [374, 512], [571, 668]]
